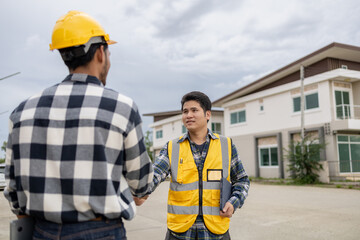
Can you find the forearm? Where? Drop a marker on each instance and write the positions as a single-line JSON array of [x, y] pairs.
[[139, 177], [161, 169], [240, 190], [138, 168], [10, 192]]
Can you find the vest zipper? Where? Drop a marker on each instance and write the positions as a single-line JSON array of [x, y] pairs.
[[200, 170]]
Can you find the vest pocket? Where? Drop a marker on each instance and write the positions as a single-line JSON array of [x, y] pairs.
[[181, 208], [180, 198], [187, 173]]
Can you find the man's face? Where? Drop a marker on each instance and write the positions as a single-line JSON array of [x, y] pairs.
[[193, 116], [106, 67]]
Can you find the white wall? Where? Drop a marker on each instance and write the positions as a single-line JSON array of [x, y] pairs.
[[278, 112], [356, 93], [171, 128]]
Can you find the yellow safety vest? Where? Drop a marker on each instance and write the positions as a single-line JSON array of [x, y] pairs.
[[189, 195]]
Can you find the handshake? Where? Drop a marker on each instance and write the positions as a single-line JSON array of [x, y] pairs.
[[139, 201]]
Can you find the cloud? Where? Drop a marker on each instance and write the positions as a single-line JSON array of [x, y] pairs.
[[168, 47], [34, 41]]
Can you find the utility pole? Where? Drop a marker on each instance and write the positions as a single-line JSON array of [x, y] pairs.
[[302, 106]]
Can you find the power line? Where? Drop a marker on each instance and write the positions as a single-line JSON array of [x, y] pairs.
[[10, 76], [1, 113]]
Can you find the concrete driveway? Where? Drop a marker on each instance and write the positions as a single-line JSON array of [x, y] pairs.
[[270, 212]]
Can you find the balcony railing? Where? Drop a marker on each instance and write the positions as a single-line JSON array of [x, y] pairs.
[[347, 111]]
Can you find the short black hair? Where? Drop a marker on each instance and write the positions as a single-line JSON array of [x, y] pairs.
[[199, 97], [83, 60]]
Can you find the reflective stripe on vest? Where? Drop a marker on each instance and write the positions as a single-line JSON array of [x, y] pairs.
[[183, 200]]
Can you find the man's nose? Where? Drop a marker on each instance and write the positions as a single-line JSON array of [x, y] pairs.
[[189, 115]]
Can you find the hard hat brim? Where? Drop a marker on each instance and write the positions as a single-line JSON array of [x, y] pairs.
[[109, 42]]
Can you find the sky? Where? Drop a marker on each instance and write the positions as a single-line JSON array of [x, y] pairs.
[[167, 48]]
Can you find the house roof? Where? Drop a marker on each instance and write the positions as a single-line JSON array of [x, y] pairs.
[[166, 113], [333, 50]]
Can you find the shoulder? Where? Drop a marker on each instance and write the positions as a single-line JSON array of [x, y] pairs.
[[222, 137], [110, 93], [41, 98]]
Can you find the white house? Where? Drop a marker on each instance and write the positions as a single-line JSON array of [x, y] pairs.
[[265, 115]]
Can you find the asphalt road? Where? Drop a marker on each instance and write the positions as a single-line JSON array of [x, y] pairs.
[[270, 212]]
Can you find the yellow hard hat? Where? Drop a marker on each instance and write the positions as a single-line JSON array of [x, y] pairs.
[[75, 29]]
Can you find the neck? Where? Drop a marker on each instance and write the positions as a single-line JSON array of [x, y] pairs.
[[85, 70], [198, 137]]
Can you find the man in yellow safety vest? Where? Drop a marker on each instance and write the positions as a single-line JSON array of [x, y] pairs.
[[200, 163]]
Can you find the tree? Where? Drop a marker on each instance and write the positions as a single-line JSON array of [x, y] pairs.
[[149, 143], [3, 148], [305, 165]]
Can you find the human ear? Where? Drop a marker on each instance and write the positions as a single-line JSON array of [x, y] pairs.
[[208, 115]]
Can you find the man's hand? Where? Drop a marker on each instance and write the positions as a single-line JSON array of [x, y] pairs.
[[227, 211], [140, 201]]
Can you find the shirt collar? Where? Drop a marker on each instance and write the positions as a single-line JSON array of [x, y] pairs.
[[81, 77], [187, 136]]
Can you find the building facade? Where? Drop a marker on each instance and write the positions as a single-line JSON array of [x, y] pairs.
[[264, 116]]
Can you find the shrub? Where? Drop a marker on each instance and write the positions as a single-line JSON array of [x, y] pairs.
[[304, 165]]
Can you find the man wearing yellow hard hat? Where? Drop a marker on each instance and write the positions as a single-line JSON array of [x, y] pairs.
[[75, 152]]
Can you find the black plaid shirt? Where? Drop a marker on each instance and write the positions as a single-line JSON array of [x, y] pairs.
[[76, 152]]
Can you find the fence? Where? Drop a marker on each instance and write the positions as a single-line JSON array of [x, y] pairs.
[[347, 111]]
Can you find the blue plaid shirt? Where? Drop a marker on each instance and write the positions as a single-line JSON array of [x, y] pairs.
[[239, 180]]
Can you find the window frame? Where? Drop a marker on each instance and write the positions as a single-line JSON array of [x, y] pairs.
[[159, 132], [215, 131], [269, 147], [237, 112], [345, 114], [349, 143], [306, 109]]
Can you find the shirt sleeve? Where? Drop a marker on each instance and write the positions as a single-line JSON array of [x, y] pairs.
[[239, 180], [161, 168], [138, 169], [10, 192]]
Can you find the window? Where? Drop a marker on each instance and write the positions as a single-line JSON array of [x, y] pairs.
[[268, 156], [311, 101], [238, 117], [183, 129], [349, 153], [159, 134], [261, 105], [342, 101], [216, 128], [310, 149]]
